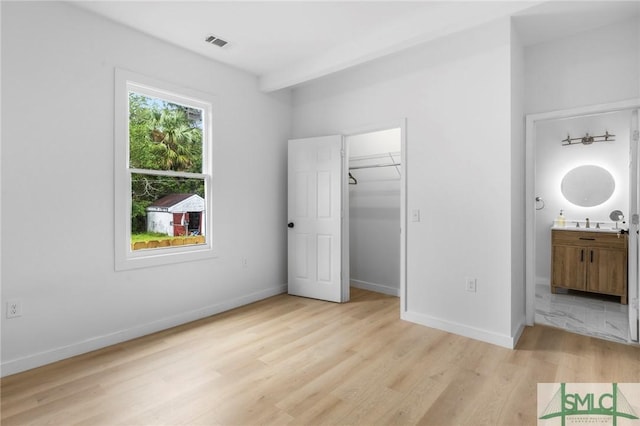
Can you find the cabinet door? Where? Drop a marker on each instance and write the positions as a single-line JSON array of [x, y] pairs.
[[607, 271], [569, 267]]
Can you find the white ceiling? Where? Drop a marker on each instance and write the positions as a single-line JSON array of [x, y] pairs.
[[556, 19], [286, 43]]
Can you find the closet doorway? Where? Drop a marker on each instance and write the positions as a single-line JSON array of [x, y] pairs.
[[375, 200]]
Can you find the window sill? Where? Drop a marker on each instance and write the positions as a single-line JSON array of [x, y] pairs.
[[164, 256]]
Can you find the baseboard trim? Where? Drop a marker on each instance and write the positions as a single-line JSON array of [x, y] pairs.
[[543, 281], [378, 288], [518, 334], [63, 352], [461, 329]]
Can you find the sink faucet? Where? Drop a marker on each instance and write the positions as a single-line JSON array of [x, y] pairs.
[[587, 225]]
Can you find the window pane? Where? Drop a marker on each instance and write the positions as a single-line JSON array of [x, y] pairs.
[[166, 211], [164, 135]]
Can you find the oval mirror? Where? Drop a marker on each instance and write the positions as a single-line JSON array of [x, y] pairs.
[[588, 186]]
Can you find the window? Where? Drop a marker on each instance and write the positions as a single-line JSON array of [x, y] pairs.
[[162, 172]]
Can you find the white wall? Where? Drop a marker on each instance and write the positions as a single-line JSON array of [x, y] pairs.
[[374, 213], [553, 161], [518, 212], [57, 113], [160, 222], [588, 68], [593, 67], [456, 96]]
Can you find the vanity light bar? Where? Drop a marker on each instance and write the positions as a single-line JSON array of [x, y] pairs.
[[587, 139]]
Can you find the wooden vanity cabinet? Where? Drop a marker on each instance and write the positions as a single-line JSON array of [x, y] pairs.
[[589, 261]]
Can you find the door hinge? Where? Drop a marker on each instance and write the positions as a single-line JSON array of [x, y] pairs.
[[342, 153], [636, 135], [634, 304], [635, 219]]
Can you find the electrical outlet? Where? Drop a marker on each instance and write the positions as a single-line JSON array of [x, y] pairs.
[[244, 262], [14, 308], [471, 285]]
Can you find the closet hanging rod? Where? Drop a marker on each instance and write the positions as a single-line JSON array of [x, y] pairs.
[[372, 156], [371, 166]]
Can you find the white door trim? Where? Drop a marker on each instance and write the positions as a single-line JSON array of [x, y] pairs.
[[530, 137], [346, 269], [402, 125], [634, 226]]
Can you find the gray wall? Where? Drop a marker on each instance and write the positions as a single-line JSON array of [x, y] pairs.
[[593, 67], [456, 96], [553, 161], [58, 187]]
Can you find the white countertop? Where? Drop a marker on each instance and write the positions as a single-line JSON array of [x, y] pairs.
[[592, 229]]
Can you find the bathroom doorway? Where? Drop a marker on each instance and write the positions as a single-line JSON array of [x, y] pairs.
[[375, 210], [558, 143]]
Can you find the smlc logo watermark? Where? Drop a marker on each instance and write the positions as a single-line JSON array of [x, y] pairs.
[[563, 404]]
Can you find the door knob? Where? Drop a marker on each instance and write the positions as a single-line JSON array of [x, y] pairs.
[[290, 225]]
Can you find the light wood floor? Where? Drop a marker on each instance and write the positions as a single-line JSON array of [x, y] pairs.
[[289, 360]]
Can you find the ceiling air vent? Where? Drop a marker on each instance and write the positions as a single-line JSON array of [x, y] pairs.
[[215, 40]]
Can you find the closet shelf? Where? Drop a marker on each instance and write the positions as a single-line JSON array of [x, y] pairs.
[[372, 166], [385, 159], [389, 156]]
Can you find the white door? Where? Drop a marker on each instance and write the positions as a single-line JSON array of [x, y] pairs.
[[315, 217], [634, 227]]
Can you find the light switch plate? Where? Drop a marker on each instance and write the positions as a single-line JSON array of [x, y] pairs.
[[471, 285]]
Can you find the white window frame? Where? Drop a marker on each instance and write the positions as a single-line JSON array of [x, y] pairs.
[[125, 257]]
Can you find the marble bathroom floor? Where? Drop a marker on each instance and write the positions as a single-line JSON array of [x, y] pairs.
[[583, 313]]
